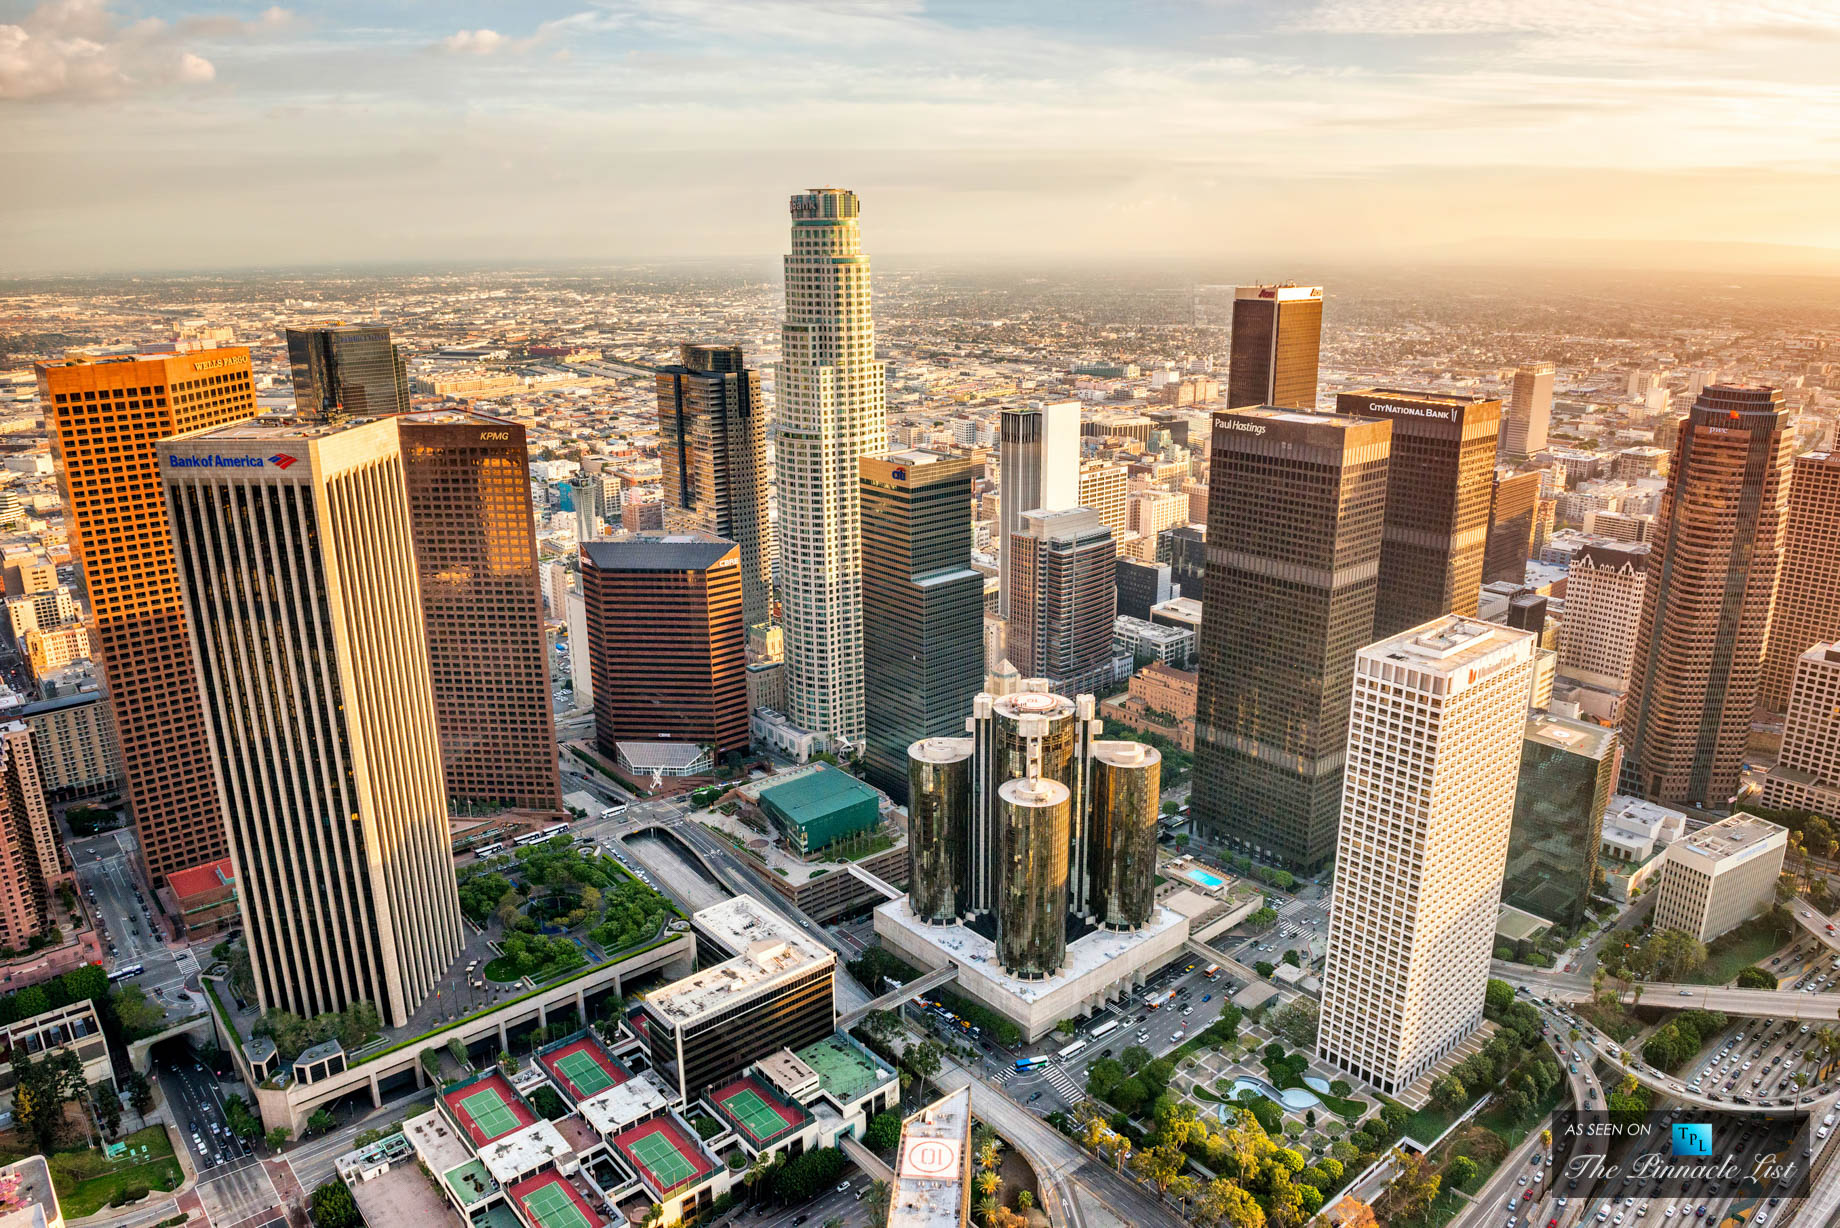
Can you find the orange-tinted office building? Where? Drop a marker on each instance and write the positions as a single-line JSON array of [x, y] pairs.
[[105, 415], [1807, 610]]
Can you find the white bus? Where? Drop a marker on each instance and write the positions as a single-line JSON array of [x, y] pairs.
[[1072, 1049], [125, 971], [1106, 1028], [548, 833], [489, 850]]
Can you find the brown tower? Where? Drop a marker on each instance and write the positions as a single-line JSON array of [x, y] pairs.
[[1699, 651], [1277, 342], [1808, 594], [105, 416], [476, 556]]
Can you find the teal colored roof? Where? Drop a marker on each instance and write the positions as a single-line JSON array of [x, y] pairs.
[[818, 794]]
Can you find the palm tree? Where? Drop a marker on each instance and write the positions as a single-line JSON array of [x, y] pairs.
[[989, 1152]]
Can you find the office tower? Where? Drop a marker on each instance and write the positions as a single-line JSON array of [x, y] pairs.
[[1807, 773], [346, 371], [1434, 744], [831, 412], [1032, 821], [104, 416], [1720, 876], [665, 637], [712, 430], [589, 500], [482, 606], [1187, 558], [1514, 500], [1529, 416], [1040, 459], [1066, 595], [1151, 513], [1277, 336], [1104, 487], [581, 655], [297, 555], [1140, 586], [1296, 510], [923, 607], [29, 865], [1699, 651], [1567, 774], [1807, 607], [1439, 481], [1603, 611], [1527, 611]]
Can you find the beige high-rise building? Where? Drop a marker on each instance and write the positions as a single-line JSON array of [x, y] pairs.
[[1104, 487], [1529, 416], [29, 864], [301, 594], [1434, 754], [1807, 606], [1807, 773], [1720, 876], [1603, 608], [1148, 513]]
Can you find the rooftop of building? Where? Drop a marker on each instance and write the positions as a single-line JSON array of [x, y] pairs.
[[208, 877], [752, 844], [271, 427], [1281, 291], [1629, 811], [488, 1107], [549, 1201], [622, 1104], [582, 1066], [1633, 555], [767, 947], [1822, 654], [1450, 645], [652, 550], [27, 1198], [1143, 628], [753, 1107], [1184, 609], [929, 1182], [1420, 396], [666, 1155], [453, 417], [1736, 836], [1562, 733], [531, 1147], [846, 1071], [813, 796]]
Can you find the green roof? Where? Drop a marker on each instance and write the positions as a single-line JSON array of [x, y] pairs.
[[824, 805]]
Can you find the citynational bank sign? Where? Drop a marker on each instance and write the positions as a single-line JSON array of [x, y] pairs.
[[211, 460]]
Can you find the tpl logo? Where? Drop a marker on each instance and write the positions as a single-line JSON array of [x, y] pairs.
[[281, 460]]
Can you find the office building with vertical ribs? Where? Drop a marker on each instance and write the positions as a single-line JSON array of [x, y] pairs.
[[666, 640], [1277, 343], [1039, 454], [712, 453], [1529, 416], [482, 606], [347, 370], [1439, 479], [923, 607], [104, 417], [1514, 513], [1603, 611], [1296, 516], [1698, 660], [1807, 773], [297, 555], [1807, 607]]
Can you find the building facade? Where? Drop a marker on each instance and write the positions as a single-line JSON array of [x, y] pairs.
[[1296, 512], [712, 430], [1277, 342], [831, 411], [1699, 652], [1140, 586], [923, 607], [1603, 611], [297, 556], [1568, 773], [1529, 416], [1103, 487], [104, 417], [30, 867], [1720, 876], [1434, 749], [1039, 453], [347, 371], [73, 739], [1807, 606], [1066, 595], [482, 606], [1439, 481], [1807, 773], [1514, 509]]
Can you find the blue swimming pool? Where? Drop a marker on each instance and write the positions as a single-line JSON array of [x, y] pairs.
[[1207, 879]]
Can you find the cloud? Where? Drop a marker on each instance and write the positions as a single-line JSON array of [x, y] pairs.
[[475, 42], [80, 50]]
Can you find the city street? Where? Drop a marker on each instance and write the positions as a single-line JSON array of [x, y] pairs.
[[108, 878]]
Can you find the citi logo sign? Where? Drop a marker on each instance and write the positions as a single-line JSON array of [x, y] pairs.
[[281, 460]]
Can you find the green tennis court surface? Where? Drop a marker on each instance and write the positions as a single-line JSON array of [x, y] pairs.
[[660, 1155], [490, 1113], [588, 1075], [761, 1119], [553, 1208]]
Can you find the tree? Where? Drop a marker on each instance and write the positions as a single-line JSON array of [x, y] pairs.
[[1226, 1204], [1674, 955], [278, 1137], [1066, 1027], [138, 1016], [332, 1206], [1462, 1170], [1754, 977], [923, 1059], [1497, 998], [321, 1121], [1291, 958], [108, 1106], [1159, 1165], [1413, 1189], [1449, 1093], [883, 1133], [1296, 1022]]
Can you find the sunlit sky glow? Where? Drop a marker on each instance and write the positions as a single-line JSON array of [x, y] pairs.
[[168, 136]]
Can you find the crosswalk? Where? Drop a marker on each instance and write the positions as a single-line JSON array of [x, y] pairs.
[[1054, 1073]]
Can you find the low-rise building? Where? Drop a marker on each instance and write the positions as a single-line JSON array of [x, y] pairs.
[[204, 897], [75, 1028], [1720, 876]]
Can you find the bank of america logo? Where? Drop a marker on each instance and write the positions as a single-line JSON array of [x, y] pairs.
[[1692, 1138], [281, 460]]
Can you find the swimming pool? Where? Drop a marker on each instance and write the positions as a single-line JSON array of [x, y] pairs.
[[1295, 1099], [1213, 882]]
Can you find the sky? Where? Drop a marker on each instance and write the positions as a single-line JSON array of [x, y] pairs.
[[1239, 133]]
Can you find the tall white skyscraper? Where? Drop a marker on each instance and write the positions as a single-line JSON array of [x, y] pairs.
[[1434, 753], [832, 412], [1524, 426], [1040, 457]]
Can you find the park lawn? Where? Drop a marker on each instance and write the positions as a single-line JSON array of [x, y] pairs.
[[1613, 1021], [1442, 1210], [504, 969], [1431, 1121], [1751, 943], [85, 1181]]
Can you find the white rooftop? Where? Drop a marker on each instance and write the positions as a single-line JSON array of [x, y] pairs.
[[929, 1181], [523, 1152], [770, 949], [436, 1142], [618, 1107]]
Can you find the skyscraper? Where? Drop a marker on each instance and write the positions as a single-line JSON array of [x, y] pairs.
[[1529, 416], [1434, 745], [1296, 510], [1060, 623], [1277, 340], [1040, 459], [1699, 652], [1514, 505], [1439, 480], [29, 865], [104, 417], [482, 605], [347, 371], [1567, 774], [665, 639], [1807, 773], [1807, 607], [832, 411], [712, 429], [923, 607], [1603, 611], [298, 560], [1104, 486]]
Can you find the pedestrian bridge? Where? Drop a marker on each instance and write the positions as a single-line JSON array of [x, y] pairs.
[[894, 997]]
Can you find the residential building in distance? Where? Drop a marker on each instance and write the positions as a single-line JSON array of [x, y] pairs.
[[482, 606], [30, 868], [321, 553], [1439, 483], [1807, 606], [923, 607], [1720, 876], [1603, 611], [1699, 652], [1807, 772], [666, 640], [104, 417], [346, 371], [831, 411], [1277, 344], [1104, 487], [1066, 595], [1039, 454], [712, 429], [1529, 416], [1434, 746], [1567, 775], [1514, 504], [932, 1175], [1297, 507], [40, 611], [1151, 513], [73, 739]]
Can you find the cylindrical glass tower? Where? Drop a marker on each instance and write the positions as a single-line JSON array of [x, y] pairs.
[[1121, 851], [938, 826], [1033, 816]]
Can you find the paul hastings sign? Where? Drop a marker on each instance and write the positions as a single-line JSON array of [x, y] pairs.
[[1688, 1153]]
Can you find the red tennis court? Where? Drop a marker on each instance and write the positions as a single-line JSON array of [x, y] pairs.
[[664, 1154], [488, 1108]]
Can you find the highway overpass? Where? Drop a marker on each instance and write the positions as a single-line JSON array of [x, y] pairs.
[[1816, 922], [1750, 1003]]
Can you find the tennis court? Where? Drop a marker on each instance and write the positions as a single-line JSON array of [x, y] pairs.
[[583, 1068], [550, 1202], [751, 1107], [488, 1109], [490, 1112], [664, 1154]]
